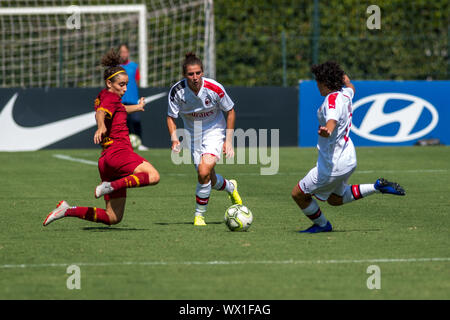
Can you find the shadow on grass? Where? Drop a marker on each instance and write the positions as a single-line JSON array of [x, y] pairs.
[[357, 230], [109, 229], [345, 231], [186, 223]]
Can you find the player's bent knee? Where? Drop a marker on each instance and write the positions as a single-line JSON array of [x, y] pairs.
[[294, 194], [153, 178], [204, 175], [113, 218], [302, 199], [115, 209], [335, 200], [297, 194], [153, 174]]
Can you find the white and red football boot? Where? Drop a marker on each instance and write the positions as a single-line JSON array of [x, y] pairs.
[[57, 213]]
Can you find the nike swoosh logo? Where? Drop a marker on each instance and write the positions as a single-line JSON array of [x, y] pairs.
[[14, 137]]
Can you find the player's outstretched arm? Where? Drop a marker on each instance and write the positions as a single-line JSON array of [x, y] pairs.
[[328, 129], [171, 125], [101, 128], [228, 145], [136, 107], [348, 84]]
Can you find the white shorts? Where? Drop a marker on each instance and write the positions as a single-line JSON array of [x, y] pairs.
[[322, 186], [210, 142]]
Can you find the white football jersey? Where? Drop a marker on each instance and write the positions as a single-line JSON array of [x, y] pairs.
[[337, 154], [205, 107]]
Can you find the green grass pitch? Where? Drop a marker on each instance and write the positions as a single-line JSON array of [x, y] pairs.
[[156, 252]]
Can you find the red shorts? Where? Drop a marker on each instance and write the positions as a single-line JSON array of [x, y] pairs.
[[117, 163]]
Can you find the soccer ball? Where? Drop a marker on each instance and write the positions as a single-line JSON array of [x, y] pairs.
[[238, 218], [135, 141]]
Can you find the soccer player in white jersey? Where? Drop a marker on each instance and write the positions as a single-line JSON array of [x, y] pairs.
[[201, 103], [327, 181]]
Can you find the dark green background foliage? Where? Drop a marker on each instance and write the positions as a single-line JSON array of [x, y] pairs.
[[413, 42]]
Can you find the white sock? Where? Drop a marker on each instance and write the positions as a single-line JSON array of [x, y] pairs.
[[357, 191], [202, 194], [223, 184], [314, 213]]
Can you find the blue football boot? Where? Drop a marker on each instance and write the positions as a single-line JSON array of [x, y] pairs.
[[385, 186], [316, 228]]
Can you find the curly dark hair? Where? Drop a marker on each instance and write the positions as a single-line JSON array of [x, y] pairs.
[[111, 60], [330, 74]]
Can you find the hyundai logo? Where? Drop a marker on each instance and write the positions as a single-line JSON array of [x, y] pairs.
[[407, 117]]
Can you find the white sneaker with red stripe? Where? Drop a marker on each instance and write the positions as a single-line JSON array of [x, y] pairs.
[[57, 213]]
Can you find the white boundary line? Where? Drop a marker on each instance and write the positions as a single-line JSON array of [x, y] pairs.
[[69, 158], [89, 162], [407, 171], [174, 263]]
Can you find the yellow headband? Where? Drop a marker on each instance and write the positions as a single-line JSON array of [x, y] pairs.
[[115, 74]]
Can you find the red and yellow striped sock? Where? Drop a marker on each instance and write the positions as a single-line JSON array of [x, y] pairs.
[[89, 213], [136, 180]]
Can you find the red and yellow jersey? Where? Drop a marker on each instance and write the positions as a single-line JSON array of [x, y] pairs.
[[117, 133]]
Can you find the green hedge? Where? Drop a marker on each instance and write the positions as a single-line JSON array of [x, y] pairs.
[[413, 42]]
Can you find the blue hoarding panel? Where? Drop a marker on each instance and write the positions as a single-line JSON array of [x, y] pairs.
[[385, 113]]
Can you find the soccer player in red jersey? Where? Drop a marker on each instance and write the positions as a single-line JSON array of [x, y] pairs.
[[119, 166]]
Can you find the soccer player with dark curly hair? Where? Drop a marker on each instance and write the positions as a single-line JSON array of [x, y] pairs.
[[119, 166], [336, 162]]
